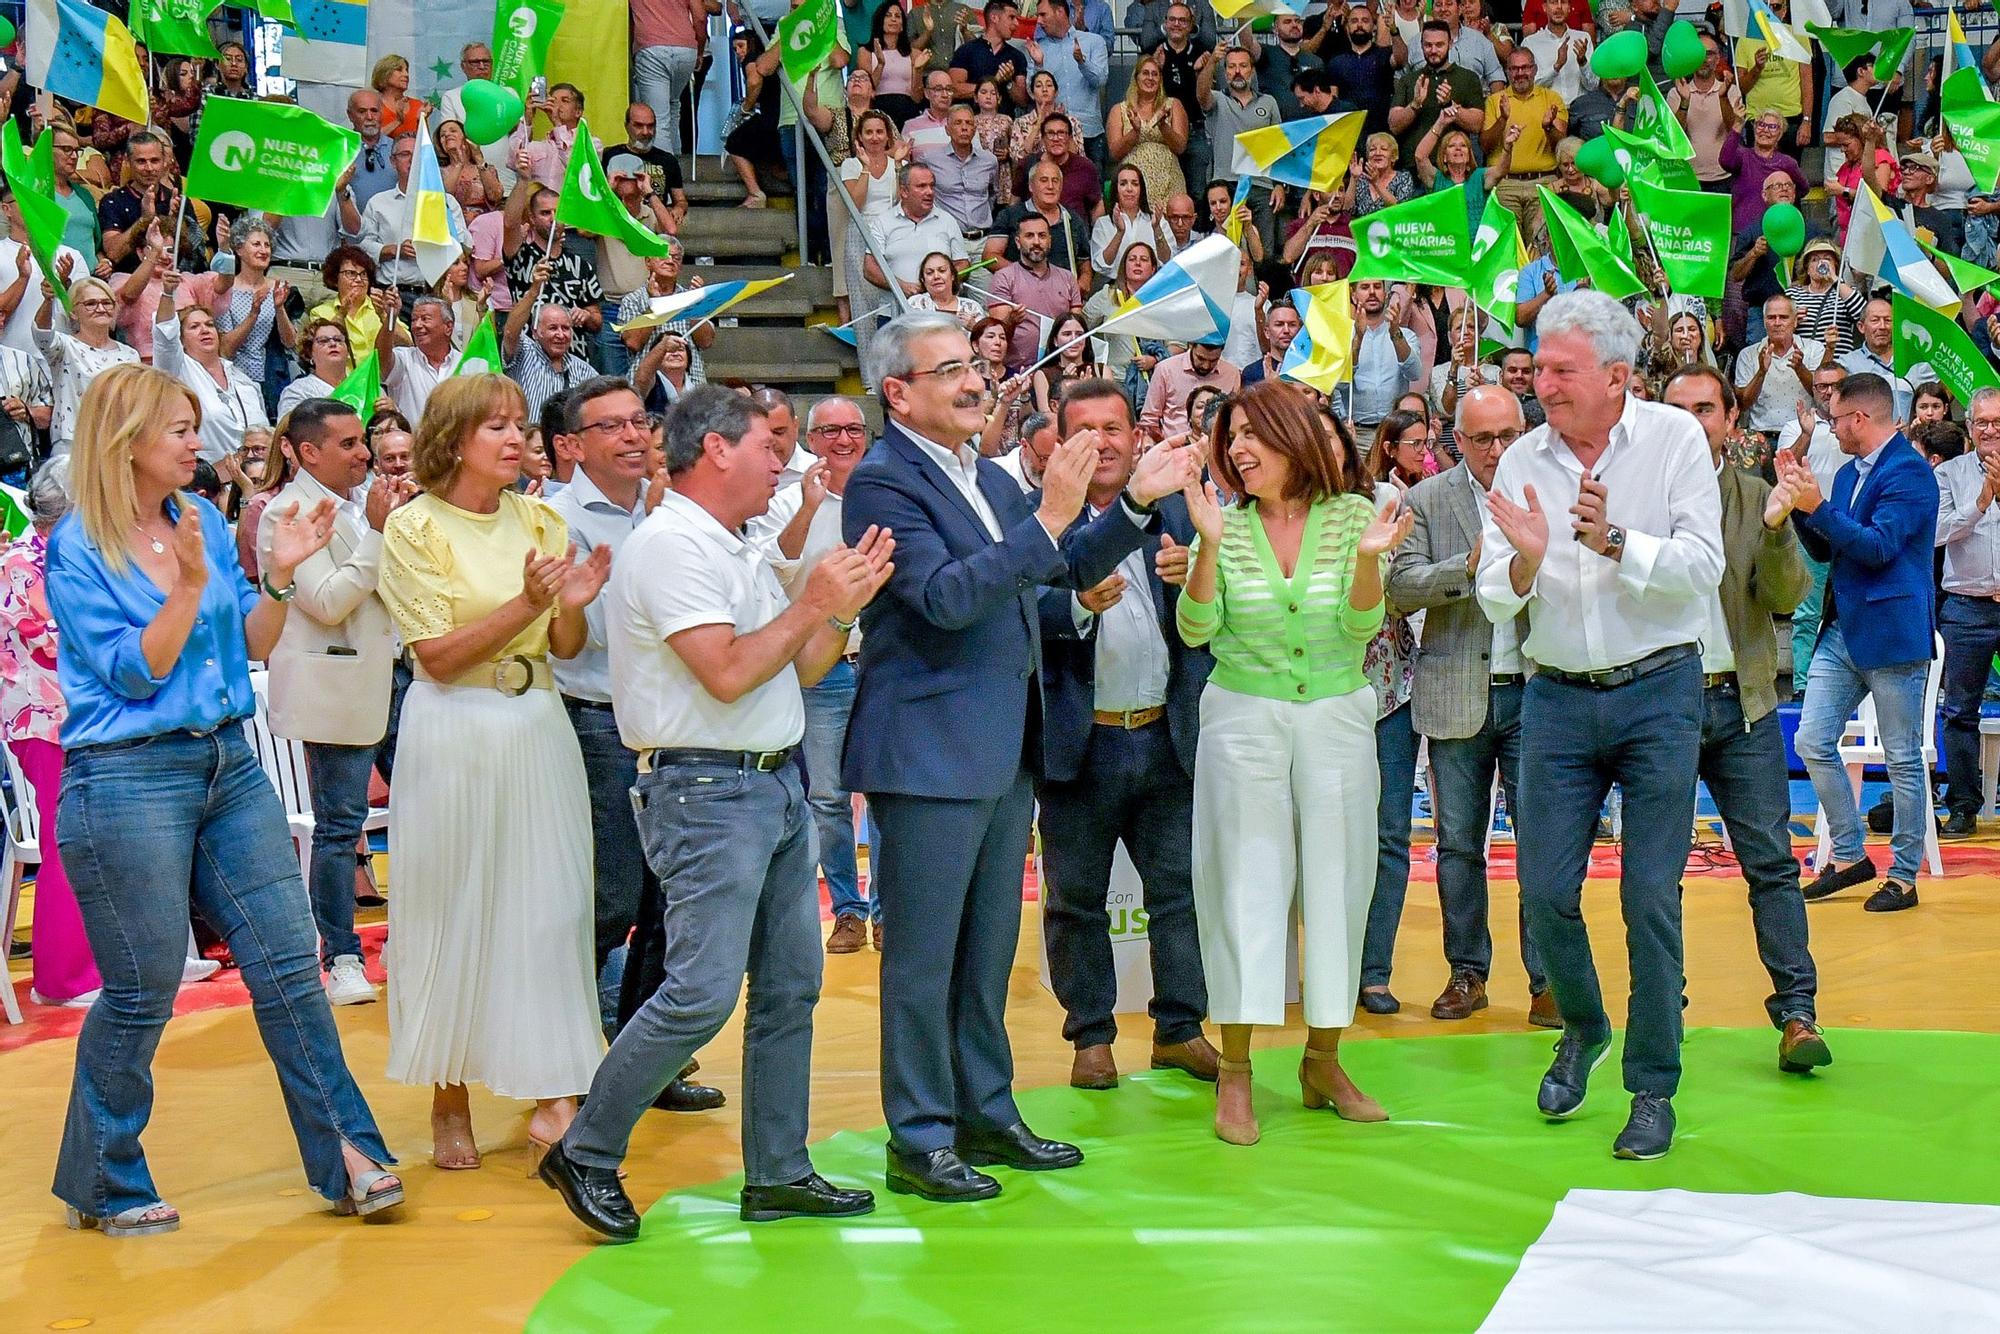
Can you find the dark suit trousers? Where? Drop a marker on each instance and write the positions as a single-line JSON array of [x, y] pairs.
[[1576, 742], [1131, 787], [1971, 629], [950, 884], [1465, 768]]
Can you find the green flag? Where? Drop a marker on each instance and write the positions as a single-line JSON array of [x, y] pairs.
[[268, 156], [1924, 335], [42, 217], [1689, 230], [482, 351], [1653, 119], [1974, 121], [1641, 158], [1496, 263], [1848, 44], [1581, 253], [278, 11], [1966, 276], [587, 204], [1421, 241], [522, 31], [174, 27], [14, 519], [362, 387], [806, 37]]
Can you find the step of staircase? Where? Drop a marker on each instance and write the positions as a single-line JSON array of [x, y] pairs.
[[740, 233]]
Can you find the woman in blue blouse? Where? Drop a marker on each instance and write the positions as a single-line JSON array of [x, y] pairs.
[[163, 802]]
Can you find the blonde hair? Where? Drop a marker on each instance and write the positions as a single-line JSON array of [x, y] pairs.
[[123, 405], [455, 408], [91, 280], [384, 67], [1131, 98]]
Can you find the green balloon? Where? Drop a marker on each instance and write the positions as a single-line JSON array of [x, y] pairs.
[[491, 111], [1785, 229], [1598, 159], [1620, 57], [6, 32], [1682, 53]]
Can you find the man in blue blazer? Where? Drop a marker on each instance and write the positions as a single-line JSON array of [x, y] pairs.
[[1121, 712], [946, 735], [1877, 632]]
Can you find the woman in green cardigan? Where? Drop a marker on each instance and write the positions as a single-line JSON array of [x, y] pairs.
[[1286, 591]]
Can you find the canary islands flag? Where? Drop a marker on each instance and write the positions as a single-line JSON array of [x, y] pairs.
[[1242, 11], [1312, 153], [1879, 243], [700, 303], [1780, 36], [78, 51], [1961, 50], [1321, 354], [1189, 300]]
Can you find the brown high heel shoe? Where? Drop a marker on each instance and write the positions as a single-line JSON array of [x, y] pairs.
[[1349, 1103], [1244, 1132]]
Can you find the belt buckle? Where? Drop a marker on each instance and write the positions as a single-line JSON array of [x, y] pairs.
[[500, 675], [769, 761]]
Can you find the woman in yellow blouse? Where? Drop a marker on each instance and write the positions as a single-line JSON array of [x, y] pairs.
[[490, 925], [1286, 591]]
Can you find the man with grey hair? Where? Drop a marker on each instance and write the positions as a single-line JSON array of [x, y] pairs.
[[1466, 695], [1968, 531], [410, 371], [783, 420], [1605, 525], [1774, 377], [707, 657], [388, 225], [545, 364], [1025, 462], [953, 652], [917, 227]]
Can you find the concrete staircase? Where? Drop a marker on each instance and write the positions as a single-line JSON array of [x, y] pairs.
[[769, 339]]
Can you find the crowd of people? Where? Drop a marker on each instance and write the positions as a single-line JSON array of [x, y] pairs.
[[1144, 592]]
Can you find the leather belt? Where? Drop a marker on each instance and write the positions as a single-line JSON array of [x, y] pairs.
[[1718, 681], [513, 676], [1129, 719], [579, 702], [1507, 678], [763, 761], [1613, 677], [1974, 597]]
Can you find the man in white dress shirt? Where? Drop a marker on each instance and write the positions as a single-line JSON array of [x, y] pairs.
[[707, 657], [1606, 525], [411, 371], [387, 223]]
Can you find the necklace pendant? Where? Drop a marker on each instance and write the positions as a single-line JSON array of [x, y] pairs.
[[159, 547]]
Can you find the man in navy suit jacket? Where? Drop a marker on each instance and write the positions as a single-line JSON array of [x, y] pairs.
[[1121, 712], [946, 733], [1877, 632]]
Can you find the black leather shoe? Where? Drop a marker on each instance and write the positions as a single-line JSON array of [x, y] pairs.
[[1563, 1087], [1894, 896], [811, 1196], [1836, 878], [1016, 1146], [938, 1175], [593, 1194], [1959, 824], [684, 1095], [1648, 1132], [1379, 1002]]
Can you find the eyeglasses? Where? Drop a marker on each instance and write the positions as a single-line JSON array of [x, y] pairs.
[[858, 430], [641, 422], [1986, 428], [330, 340], [950, 370], [96, 303], [1488, 439]]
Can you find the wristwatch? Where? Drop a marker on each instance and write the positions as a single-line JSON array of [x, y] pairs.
[[278, 594], [1614, 541]]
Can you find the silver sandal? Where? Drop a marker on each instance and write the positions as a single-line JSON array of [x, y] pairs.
[[131, 1222], [358, 1202]]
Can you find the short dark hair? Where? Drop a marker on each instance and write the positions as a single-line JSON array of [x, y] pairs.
[[329, 269], [555, 408], [1942, 440], [1436, 25], [1869, 391], [1089, 390], [1701, 370], [1062, 116], [569, 88], [307, 424], [1312, 81], [596, 387]]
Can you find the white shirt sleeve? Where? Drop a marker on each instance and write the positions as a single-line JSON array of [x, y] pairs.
[[696, 595]]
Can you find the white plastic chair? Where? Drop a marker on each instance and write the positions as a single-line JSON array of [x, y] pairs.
[[284, 761], [1861, 745], [24, 849]]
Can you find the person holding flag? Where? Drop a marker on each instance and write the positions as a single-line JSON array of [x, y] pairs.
[[400, 227], [75, 359], [1775, 79]]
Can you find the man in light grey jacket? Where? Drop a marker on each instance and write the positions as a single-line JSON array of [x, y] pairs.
[[1466, 695]]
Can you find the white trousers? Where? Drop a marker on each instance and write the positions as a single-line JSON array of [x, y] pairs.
[[1284, 820]]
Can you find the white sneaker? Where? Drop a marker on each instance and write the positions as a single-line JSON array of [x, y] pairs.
[[82, 1002], [346, 984], [199, 970]]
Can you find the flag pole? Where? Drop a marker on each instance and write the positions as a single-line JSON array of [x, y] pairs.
[[180, 217]]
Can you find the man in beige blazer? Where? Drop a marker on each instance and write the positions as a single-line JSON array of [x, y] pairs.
[[1466, 695], [332, 671]]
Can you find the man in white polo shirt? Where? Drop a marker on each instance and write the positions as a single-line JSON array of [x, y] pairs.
[[707, 657], [915, 229]]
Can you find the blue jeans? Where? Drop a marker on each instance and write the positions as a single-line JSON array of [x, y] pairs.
[[827, 706], [618, 863], [1805, 622], [1834, 690], [613, 357], [1463, 769], [1971, 629], [146, 827], [1396, 757], [1645, 736], [1744, 768], [338, 779], [733, 850]]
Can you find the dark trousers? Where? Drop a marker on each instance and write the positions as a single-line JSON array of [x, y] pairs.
[[1132, 788], [1744, 768], [618, 862], [1576, 742], [1396, 757], [1463, 770], [1971, 630], [951, 910]]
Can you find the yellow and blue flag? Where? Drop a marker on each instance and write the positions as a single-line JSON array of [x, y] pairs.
[[1780, 36], [1322, 352], [700, 303], [430, 219], [1189, 300], [78, 51], [1312, 153], [1961, 50], [1878, 243], [1242, 11]]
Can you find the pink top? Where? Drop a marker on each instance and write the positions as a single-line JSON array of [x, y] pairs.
[[663, 23], [31, 703], [892, 73], [1849, 177]]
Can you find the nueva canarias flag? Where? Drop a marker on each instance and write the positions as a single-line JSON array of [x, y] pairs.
[[1189, 300], [1312, 153]]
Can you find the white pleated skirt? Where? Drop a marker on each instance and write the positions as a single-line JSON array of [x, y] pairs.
[[490, 902]]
